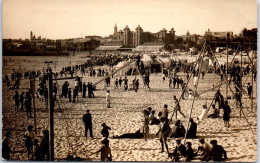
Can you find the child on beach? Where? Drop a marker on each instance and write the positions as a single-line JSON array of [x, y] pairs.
[[108, 98], [105, 130]]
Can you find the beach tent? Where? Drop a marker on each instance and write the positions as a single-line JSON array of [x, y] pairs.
[[157, 65], [147, 60], [166, 62], [126, 69]]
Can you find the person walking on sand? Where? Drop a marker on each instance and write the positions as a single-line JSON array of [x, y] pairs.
[[108, 99], [177, 107], [105, 150], [163, 132], [87, 119]]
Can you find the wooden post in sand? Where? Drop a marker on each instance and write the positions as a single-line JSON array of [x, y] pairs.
[[252, 97], [227, 64], [51, 128], [32, 90]]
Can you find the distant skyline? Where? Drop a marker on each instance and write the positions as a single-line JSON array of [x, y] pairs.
[[61, 19]]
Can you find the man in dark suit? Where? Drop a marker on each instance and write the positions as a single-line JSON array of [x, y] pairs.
[[87, 119]]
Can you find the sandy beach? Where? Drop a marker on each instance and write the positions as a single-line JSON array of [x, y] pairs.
[[125, 117]]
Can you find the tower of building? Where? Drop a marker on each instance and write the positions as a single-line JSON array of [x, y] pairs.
[[31, 35], [138, 36], [115, 35], [126, 40]]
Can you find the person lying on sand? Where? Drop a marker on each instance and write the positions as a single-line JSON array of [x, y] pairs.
[[136, 135]]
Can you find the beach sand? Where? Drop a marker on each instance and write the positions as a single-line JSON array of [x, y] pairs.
[[125, 117]]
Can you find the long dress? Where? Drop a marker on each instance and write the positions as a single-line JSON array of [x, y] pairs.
[[203, 114]]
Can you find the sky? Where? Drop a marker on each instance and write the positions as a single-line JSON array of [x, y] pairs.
[[60, 19]]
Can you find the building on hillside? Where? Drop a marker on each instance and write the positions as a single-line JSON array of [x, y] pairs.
[[210, 34], [139, 37]]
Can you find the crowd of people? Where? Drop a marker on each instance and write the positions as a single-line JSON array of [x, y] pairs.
[[182, 152]]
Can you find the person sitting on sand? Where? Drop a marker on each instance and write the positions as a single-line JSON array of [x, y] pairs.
[[105, 130], [203, 114], [217, 152], [192, 131], [203, 150], [152, 119], [189, 154], [177, 130], [179, 151], [215, 113]]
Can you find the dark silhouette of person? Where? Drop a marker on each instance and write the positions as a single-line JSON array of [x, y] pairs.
[[192, 131], [6, 150], [84, 90], [69, 94], [29, 137], [28, 104], [136, 85], [16, 100], [87, 119], [21, 100], [75, 94], [55, 91], [163, 132], [217, 152], [36, 154], [179, 151], [178, 130], [105, 130], [89, 90], [44, 146], [249, 89]]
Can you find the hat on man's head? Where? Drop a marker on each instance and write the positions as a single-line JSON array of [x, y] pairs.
[[178, 140]]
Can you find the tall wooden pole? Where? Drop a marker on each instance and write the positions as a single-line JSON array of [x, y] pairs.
[[227, 64], [252, 97], [241, 74], [51, 128], [32, 87]]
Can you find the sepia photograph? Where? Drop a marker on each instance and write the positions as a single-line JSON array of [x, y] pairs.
[[129, 80]]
